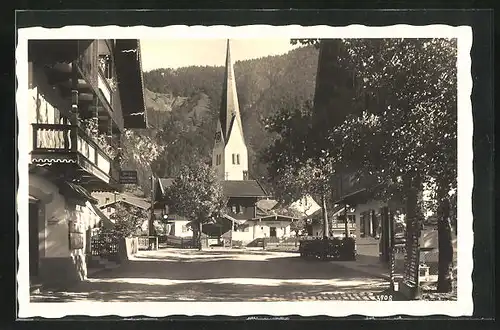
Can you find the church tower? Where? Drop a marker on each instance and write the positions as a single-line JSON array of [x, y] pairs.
[[230, 154]]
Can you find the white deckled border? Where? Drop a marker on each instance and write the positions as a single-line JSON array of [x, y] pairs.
[[462, 307]]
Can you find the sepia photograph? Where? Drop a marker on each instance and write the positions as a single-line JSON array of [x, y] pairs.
[[253, 166]]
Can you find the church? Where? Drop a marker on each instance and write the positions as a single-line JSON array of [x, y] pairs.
[[244, 222]]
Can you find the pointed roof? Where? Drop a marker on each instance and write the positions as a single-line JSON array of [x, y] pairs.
[[230, 109]]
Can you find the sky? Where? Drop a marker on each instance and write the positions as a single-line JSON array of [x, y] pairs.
[[176, 53]]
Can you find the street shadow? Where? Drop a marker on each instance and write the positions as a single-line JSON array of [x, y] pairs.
[[218, 277], [273, 268]]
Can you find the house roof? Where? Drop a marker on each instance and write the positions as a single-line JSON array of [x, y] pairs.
[[244, 188], [130, 82], [331, 213], [131, 200], [108, 222], [76, 191]]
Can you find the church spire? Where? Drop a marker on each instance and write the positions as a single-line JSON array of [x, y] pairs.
[[230, 109]]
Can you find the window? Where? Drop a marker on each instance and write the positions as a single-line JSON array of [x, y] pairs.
[[233, 159], [245, 175], [238, 159], [234, 208]]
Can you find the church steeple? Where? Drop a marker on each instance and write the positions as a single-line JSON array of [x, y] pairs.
[[230, 109], [230, 154]]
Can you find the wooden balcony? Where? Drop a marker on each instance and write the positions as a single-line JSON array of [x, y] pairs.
[[70, 144]]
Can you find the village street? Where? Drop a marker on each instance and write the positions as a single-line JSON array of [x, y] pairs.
[[222, 275]]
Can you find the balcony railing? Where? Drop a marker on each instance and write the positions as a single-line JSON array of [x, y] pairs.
[[60, 139]]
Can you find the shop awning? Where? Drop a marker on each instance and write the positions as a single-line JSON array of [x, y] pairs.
[[77, 192]]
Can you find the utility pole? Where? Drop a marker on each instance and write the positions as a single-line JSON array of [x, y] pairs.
[[152, 214]]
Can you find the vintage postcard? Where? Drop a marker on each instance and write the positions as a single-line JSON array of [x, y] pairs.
[[242, 171]]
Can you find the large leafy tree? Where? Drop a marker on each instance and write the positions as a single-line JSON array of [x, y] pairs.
[[296, 168], [197, 194], [400, 127], [403, 128]]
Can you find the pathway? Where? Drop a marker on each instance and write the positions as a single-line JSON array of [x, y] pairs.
[[222, 275]]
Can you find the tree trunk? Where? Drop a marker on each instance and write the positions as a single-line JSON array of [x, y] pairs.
[[199, 236], [346, 224], [326, 231], [412, 221], [445, 266], [196, 234]]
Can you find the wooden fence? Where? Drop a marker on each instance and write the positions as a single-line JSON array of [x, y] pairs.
[[104, 245]]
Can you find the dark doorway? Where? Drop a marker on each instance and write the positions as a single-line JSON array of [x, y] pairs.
[[272, 231], [34, 241]]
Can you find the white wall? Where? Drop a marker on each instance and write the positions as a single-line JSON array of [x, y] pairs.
[[261, 229], [57, 215], [178, 224], [55, 231], [235, 145]]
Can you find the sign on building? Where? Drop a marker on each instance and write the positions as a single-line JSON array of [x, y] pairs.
[[128, 177]]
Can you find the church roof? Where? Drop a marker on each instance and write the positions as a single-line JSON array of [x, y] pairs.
[[244, 188], [230, 109]]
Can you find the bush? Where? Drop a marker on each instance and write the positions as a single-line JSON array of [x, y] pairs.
[[329, 249]]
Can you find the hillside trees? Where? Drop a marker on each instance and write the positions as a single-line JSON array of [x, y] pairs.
[[263, 86], [140, 151]]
